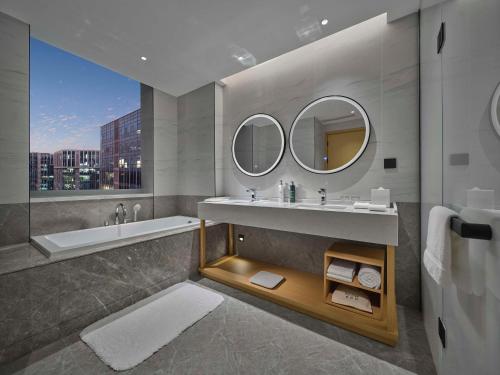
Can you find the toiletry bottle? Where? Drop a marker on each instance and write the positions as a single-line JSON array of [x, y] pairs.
[[292, 192], [281, 190]]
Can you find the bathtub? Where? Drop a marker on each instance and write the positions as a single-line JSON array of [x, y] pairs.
[[86, 241]]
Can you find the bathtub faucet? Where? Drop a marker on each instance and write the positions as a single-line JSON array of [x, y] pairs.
[[121, 207]]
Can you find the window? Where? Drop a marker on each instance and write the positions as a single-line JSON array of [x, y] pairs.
[[85, 124]]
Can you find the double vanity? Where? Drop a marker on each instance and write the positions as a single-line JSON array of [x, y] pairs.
[[334, 219], [327, 136], [372, 238]]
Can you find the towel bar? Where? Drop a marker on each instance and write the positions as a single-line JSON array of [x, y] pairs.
[[468, 230]]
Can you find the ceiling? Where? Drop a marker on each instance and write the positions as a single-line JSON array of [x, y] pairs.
[[190, 43]]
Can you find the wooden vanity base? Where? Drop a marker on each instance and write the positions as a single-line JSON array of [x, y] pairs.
[[303, 292]]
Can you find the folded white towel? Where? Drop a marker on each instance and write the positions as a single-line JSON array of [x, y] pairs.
[[437, 255], [361, 205], [341, 267], [377, 207], [369, 276], [340, 277], [353, 297]]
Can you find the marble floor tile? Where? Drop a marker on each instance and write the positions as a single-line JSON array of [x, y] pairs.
[[246, 335]]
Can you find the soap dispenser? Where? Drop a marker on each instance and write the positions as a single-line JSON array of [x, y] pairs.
[[281, 190], [292, 192]]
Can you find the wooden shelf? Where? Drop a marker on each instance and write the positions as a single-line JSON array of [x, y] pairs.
[[361, 254], [366, 254], [301, 291], [355, 283]]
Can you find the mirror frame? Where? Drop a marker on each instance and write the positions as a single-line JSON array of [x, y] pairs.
[[358, 154], [494, 112], [281, 153]]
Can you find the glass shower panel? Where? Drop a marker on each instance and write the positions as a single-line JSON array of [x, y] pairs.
[[471, 158], [431, 160]]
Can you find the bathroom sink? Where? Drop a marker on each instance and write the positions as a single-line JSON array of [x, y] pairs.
[[316, 206], [247, 202], [237, 201], [268, 203]]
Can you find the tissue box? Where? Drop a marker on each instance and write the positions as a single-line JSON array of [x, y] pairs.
[[381, 196], [479, 198]]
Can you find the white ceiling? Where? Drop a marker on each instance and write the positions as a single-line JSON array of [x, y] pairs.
[[190, 43]]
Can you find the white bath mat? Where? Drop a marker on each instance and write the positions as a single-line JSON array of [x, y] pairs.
[[266, 279], [128, 337]]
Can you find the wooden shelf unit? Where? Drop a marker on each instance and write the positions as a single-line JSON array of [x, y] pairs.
[[304, 292], [361, 254]]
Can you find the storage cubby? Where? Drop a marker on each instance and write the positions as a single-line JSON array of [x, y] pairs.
[[360, 254]]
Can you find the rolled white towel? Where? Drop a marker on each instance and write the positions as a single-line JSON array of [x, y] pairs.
[[377, 207], [369, 276], [341, 267], [361, 205]]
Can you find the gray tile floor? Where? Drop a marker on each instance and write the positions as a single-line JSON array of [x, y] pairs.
[[247, 335]]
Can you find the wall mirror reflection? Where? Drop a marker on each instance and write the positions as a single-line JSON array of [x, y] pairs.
[[329, 134], [495, 110], [258, 145]]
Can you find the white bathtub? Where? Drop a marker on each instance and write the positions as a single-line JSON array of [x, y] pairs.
[[86, 241]]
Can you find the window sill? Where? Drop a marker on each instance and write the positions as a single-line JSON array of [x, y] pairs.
[[70, 198]]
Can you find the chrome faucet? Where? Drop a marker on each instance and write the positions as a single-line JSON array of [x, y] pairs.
[[253, 194], [322, 193], [121, 207]]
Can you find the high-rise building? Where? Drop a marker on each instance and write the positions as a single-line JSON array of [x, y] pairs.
[[121, 152], [41, 171], [76, 170]]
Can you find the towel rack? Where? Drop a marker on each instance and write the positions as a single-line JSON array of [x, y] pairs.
[[468, 230]]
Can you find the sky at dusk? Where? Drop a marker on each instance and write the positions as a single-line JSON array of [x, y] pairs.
[[71, 98]]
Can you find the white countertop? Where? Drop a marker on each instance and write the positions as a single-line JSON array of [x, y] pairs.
[[336, 219]]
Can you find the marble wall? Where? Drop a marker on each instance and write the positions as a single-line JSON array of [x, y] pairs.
[[147, 139], [165, 144], [14, 130], [375, 63], [187, 205], [219, 140], [44, 303], [165, 205], [14, 223], [196, 142], [62, 216]]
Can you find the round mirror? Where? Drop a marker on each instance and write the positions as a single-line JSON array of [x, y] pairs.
[[258, 145], [329, 134], [495, 110]]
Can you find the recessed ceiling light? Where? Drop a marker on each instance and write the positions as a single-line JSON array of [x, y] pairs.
[[144, 58], [324, 21], [353, 112]]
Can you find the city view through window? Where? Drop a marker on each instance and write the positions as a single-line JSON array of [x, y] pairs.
[[85, 124]]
